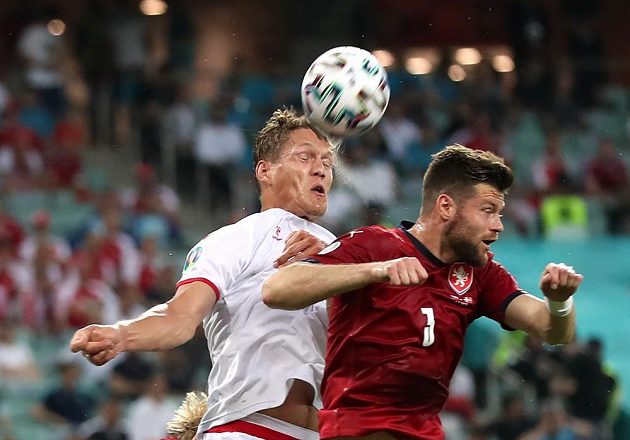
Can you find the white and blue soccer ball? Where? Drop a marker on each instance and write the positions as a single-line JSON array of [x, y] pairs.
[[345, 91]]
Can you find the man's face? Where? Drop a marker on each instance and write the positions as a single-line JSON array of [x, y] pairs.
[[301, 178], [476, 225]]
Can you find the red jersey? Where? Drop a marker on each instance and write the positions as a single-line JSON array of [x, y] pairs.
[[392, 350]]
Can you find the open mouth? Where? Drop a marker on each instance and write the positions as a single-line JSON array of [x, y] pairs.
[[319, 189], [487, 243]]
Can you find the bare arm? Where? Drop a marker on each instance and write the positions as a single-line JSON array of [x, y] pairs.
[[162, 327], [302, 284], [530, 314]]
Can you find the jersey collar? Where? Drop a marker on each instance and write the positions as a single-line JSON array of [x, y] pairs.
[[405, 226]]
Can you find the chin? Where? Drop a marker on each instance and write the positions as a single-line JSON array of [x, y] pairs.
[[316, 213], [475, 260]]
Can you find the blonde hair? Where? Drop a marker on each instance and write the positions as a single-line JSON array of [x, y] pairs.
[[184, 424], [273, 136]]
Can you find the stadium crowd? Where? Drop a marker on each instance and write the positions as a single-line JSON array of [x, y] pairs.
[[77, 248]]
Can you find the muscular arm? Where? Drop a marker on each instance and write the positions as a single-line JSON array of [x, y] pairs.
[[162, 327], [301, 284], [530, 314], [558, 282], [169, 325]]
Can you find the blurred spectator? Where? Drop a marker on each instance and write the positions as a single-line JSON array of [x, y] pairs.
[[117, 257], [399, 131], [48, 256], [15, 279], [84, 299], [586, 48], [149, 414], [130, 376], [593, 386], [42, 52], [66, 403], [65, 161], [459, 408], [372, 179], [155, 207], [128, 33], [551, 172], [150, 269], [512, 421], [41, 236], [11, 230], [93, 47], [17, 361], [21, 161], [178, 135], [34, 115], [219, 147], [608, 181], [478, 133], [107, 424], [555, 424]]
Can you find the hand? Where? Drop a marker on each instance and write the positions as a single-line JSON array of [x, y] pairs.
[[99, 344], [298, 245], [404, 271], [558, 281]]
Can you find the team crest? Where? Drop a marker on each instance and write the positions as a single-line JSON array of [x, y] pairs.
[[460, 277], [192, 258]]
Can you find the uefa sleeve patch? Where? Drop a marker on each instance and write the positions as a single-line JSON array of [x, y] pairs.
[[192, 258]]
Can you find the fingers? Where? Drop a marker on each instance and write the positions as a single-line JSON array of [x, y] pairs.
[[299, 244], [404, 271], [101, 358], [93, 348], [95, 343], [80, 339], [559, 281], [295, 237]]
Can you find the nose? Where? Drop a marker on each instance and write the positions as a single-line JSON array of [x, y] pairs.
[[497, 225], [318, 168]]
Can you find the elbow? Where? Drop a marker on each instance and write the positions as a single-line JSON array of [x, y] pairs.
[[275, 297], [270, 296]]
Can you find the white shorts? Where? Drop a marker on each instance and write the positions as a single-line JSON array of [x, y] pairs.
[[228, 436], [279, 426]]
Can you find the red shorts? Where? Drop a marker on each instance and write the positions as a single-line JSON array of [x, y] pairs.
[[329, 428]]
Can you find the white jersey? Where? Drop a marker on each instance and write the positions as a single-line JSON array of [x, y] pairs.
[[256, 352]]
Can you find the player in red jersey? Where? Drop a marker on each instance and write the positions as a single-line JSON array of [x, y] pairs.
[[402, 299]]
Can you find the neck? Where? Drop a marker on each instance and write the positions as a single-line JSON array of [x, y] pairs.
[[265, 206], [428, 232]]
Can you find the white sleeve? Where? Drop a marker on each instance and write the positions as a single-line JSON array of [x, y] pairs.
[[218, 259]]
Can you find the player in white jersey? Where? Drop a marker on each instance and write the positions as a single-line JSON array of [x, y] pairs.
[[267, 364]]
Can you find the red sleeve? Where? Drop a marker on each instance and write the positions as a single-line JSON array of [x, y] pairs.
[[499, 288], [362, 245]]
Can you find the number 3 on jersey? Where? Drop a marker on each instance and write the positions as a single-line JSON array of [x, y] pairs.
[[429, 329]]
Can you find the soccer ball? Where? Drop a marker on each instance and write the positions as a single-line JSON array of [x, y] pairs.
[[345, 91]]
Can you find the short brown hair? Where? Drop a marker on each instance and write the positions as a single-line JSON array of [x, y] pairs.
[[273, 136], [456, 169]]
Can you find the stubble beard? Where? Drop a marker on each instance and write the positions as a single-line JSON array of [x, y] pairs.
[[465, 250]]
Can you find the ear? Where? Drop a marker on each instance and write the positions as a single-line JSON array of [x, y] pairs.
[[263, 172], [445, 206]]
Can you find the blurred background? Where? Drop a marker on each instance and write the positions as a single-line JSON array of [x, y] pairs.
[[126, 133]]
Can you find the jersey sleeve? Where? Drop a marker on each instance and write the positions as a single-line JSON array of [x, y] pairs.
[[499, 288], [218, 259], [358, 246]]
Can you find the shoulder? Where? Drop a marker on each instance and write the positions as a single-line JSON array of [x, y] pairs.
[[493, 266], [375, 232], [376, 240]]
